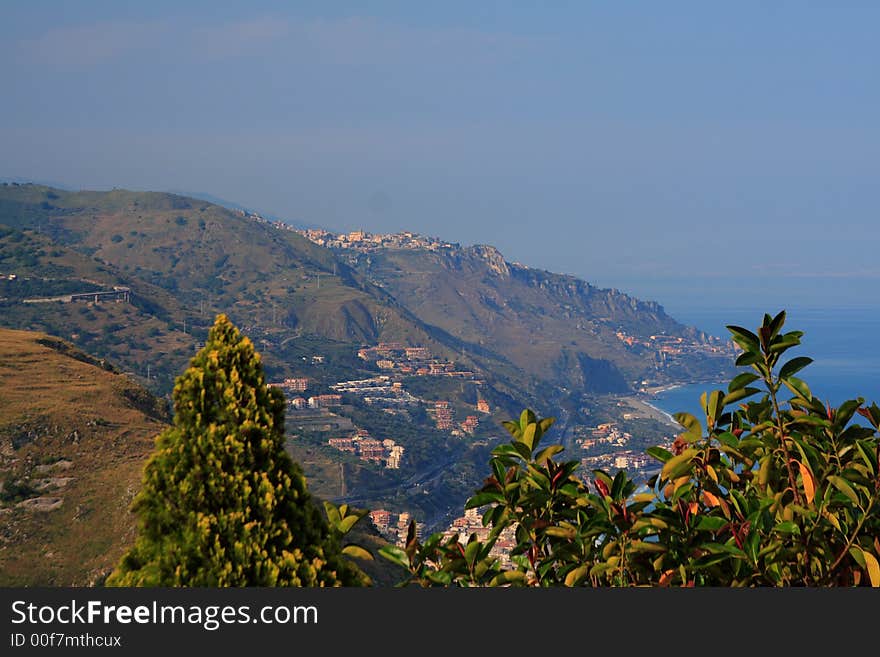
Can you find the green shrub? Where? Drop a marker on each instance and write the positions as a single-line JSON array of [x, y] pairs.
[[762, 493]]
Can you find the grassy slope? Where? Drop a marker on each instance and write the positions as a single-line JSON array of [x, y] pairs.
[[62, 418]]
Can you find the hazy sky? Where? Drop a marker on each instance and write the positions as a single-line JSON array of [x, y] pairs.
[[686, 152]]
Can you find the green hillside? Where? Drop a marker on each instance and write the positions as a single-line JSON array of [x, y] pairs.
[[187, 260], [162, 266]]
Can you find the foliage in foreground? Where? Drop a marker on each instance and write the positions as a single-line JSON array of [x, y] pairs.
[[222, 503], [762, 493]]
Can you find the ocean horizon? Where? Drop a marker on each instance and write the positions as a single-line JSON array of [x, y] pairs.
[[841, 341]]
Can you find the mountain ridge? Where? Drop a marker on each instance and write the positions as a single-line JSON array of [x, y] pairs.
[[490, 332], [214, 257]]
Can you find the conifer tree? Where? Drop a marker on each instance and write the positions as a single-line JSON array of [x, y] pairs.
[[222, 503]]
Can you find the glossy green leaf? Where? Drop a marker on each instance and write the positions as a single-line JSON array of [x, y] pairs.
[[395, 555], [832, 518], [508, 577], [843, 486], [647, 546], [717, 548], [659, 453], [471, 551], [741, 381], [574, 577], [873, 568], [776, 323], [747, 358], [714, 405], [845, 411], [357, 552], [711, 523], [690, 423], [744, 338], [677, 465], [441, 577], [523, 450], [526, 418], [784, 342], [794, 366], [528, 436], [507, 450], [736, 395], [857, 554], [798, 387], [332, 513], [482, 499], [869, 458], [560, 532], [548, 452], [512, 428], [618, 484], [348, 522], [727, 438]]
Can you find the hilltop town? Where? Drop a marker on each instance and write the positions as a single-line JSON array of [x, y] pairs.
[[359, 240]]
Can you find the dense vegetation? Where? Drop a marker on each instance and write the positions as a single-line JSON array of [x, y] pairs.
[[765, 492], [759, 495], [222, 503]]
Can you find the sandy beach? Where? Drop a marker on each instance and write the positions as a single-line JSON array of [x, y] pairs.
[[641, 408]]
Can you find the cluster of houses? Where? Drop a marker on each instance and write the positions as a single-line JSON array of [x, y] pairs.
[[385, 391], [378, 390], [602, 446], [367, 448], [394, 526], [316, 401], [669, 348], [472, 523], [410, 361], [360, 240], [629, 460], [443, 414], [607, 433]]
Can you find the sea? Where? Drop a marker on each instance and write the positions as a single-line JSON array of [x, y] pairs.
[[843, 343]]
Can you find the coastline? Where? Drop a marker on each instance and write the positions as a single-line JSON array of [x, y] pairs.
[[668, 416], [640, 407], [649, 398]]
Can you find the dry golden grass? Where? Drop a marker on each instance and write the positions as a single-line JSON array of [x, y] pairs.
[[69, 430]]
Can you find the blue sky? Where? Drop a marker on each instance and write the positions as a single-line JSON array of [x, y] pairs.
[[687, 152]]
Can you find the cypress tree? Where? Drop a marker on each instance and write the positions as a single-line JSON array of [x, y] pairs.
[[222, 504]]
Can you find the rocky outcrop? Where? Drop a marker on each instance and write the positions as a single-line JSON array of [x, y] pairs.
[[493, 259]]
